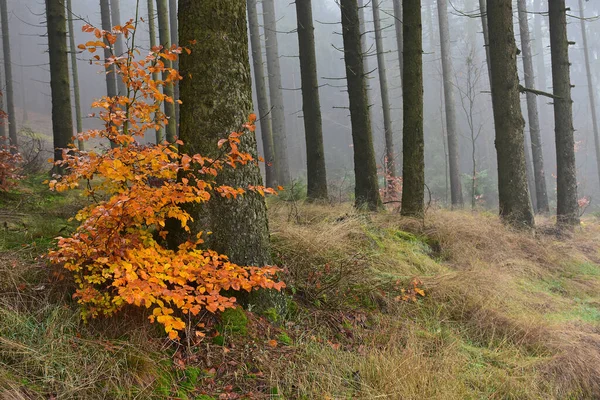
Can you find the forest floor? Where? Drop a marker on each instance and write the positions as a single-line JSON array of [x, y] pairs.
[[457, 306]]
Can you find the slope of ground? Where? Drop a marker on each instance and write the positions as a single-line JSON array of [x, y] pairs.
[[456, 306]]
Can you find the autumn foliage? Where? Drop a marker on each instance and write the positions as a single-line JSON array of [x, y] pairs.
[[10, 167], [118, 254]]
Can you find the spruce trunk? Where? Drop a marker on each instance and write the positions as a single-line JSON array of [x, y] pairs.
[[591, 86], [311, 104], [541, 194], [400, 45], [75, 76], [175, 40], [282, 169], [165, 40], [62, 119], [10, 103], [413, 190], [160, 133], [115, 15], [447, 71], [513, 191], [266, 128], [567, 210], [390, 159]]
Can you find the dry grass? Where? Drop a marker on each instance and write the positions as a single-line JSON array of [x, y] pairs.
[[508, 314]]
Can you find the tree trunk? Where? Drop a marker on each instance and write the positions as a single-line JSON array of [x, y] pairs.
[[447, 72], [3, 119], [175, 40], [75, 75], [12, 118], [590, 83], [513, 192], [111, 77], [567, 211], [363, 36], [541, 194], [165, 40], [215, 102], [400, 45], [115, 15], [266, 128], [282, 169], [311, 104], [413, 191], [365, 167], [390, 159], [62, 122], [160, 133]]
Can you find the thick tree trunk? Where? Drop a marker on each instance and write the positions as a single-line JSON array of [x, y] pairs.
[[365, 167], [175, 40], [62, 122], [486, 36], [75, 75], [567, 211], [515, 203], [266, 128], [539, 174], [165, 40], [160, 133], [447, 73], [413, 190], [10, 103], [390, 159], [398, 26], [282, 169], [363, 36], [311, 104], [115, 16], [591, 86], [215, 102], [111, 78]]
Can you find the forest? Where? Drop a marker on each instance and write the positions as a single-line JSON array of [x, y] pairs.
[[315, 199]]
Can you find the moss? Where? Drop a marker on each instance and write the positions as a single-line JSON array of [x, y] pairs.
[[284, 338], [234, 321], [271, 314], [219, 340]]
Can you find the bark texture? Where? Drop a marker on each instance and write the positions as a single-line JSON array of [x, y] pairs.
[[513, 192], [282, 169], [311, 103], [217, 100], [165, 40], [266, 128], [75, 75], [400, 45], [175, 40], [9, 93], [62, 119], [390, 159], [451, 128], [365, 167], [541, 195], [567, 209], [413, 190], [111, 78]]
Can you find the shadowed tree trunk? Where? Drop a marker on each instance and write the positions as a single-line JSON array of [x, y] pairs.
[[590, 83], [282, 169], [447, 72], [174, 39], [10, 104], [390, 159], [164, 36], [365, 167], [513, 192], [567, 210], [532, 111], [115, 16], [311, 104], [400, 45], [75, 75], [62, 119], [111, 77], [413, 190], [216, 101], [266, 128], [160, 133]]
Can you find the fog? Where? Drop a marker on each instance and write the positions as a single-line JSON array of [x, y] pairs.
[[32, 90]]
